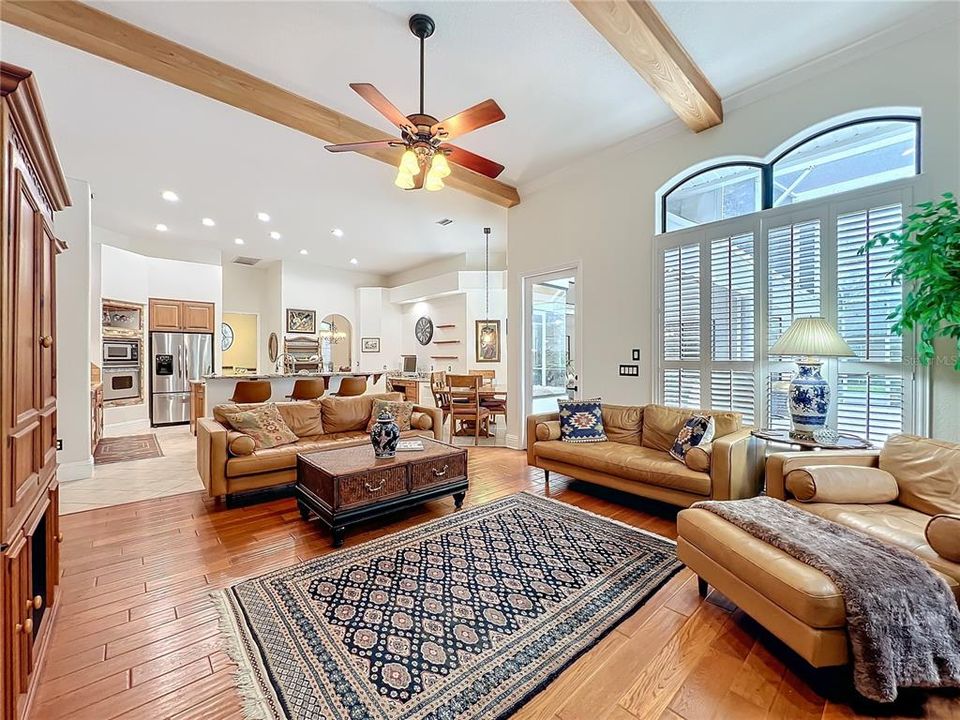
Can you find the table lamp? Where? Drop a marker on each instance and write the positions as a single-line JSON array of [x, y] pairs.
[[810, 339]]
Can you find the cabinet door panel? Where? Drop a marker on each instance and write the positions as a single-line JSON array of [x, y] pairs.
[[165, 315], [24, 283], [197, 316]]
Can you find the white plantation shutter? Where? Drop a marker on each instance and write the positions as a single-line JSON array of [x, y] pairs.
[[778, 396], [681, 303], [681, 387], [870, 405], [793, 275], [733, 390], [731, 298]]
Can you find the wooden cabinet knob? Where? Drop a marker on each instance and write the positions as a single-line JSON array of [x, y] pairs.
[[37, 602], [26, 627], [60, 537], [46, 341]]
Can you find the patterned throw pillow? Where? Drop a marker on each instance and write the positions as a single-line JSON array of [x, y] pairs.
[[400, 409], [581, 421], [263, 424], [698, 429]]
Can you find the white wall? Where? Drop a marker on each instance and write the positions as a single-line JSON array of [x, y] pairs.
[[600, 211], [136, 278], [73, 335]]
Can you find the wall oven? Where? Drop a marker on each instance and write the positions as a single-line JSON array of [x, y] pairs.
[[121, 351], [120, 382]]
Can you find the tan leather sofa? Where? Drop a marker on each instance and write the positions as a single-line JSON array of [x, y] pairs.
[[228, 467], [801, 605], [635, 457]]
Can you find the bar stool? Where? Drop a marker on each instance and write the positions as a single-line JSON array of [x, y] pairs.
[[251, 391], [307, 389], [351, 386]]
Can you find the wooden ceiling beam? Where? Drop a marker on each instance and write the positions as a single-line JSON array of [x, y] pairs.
[[98, 33], [635, 29]]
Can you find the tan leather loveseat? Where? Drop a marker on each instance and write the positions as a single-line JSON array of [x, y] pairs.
[[801, 605], [227, 465], [635, 457]]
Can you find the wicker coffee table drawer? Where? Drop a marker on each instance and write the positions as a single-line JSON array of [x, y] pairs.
[[437, 471], [372, 486]]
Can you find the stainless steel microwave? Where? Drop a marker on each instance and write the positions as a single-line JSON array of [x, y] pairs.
[[121, 351]]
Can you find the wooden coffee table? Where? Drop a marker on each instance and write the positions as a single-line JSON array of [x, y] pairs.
[[349, 485]]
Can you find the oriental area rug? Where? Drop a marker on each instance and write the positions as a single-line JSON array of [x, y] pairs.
[[127, 447], [466, 616]]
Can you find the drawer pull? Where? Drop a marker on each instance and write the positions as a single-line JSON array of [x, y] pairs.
[[440, 473], [378, 488], [26, 628], [46, 341], [60, 537], [37, 602]]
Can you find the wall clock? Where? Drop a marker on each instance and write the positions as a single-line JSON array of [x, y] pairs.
[[226, 336], [424, 330]]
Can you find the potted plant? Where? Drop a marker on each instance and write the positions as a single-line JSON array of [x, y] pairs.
[[926, 259]]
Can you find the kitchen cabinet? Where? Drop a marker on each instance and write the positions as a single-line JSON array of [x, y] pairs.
[[34, 189], [181, 316], [96, 416], [198, 403]]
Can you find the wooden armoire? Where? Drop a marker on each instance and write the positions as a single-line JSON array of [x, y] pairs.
[[32, 187]]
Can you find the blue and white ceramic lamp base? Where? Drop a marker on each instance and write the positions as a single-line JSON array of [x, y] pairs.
[[809, 399]]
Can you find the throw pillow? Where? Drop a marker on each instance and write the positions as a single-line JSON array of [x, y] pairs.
[[943, 535], [698, 457], [698, 429], [264, 425], [842, 484], [239, 444], [581, 421], [401, 410]]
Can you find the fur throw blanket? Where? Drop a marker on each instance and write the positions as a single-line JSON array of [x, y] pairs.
[[903, 620]]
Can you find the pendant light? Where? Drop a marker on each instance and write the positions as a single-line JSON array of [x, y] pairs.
[[487, 330]]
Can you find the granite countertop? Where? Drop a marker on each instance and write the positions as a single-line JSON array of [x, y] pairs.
[[280, 376]]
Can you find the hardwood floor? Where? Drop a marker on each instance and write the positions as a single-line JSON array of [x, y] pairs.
[[137, 637]]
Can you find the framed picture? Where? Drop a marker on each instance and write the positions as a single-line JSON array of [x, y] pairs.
[[488, 341], [302, 321], [370, 345]]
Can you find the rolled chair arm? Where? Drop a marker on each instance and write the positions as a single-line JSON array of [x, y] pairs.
[[781, 463], [436, 414], [736, 466], [212, 455], [532, 421]]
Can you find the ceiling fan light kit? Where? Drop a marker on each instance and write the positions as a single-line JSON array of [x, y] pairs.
[[427, 154]]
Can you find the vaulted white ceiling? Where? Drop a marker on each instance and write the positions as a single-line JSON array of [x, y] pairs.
[[565, 92]]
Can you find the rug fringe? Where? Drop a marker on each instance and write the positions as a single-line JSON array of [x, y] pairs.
[[255, 704], [602, 517]]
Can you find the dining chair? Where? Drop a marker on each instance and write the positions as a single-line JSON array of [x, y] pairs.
[[441, 393], [496, 405], [489, 376], [251, 391], [307, 389], [469, 412], [351, 386]]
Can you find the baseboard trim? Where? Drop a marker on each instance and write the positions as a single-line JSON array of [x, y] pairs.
[[513, 441], [80, 470]]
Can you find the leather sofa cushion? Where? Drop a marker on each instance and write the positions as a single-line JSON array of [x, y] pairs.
[[943, 535], [927, 471], [285, 456], [350, 414], [421, 421], [842, 484], [302, 417], [895, 524], [623, 423], [804, 592], [661, 424], [698, 457], [549, 430], [240, 444], [630, 462]]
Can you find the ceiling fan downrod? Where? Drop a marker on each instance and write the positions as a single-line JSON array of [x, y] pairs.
[[422, 26]]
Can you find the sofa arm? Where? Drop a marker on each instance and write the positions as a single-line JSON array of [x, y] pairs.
[[781, 463], [736, 466], [532, 421], [212, 455], [436, 414]]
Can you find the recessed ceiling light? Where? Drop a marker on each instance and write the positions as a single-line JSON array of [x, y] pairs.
[[353, 261], [208, 222], [337, 232], [263, 217], [303, 252], [161, 227], [169, 196], [275, 235], [238, 241]]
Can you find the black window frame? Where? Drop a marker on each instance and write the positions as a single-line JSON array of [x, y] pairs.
[[766, 169]]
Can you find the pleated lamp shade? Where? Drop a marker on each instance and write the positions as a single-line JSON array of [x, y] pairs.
[[812, 337]]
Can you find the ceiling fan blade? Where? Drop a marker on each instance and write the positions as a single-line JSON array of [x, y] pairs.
[[472, 161], [348, 147], [478, 116], [386, 108]]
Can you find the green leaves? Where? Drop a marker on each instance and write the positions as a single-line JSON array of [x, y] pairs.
[[927, 261]]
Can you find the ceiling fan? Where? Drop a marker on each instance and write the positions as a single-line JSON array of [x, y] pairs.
[[424, 161]]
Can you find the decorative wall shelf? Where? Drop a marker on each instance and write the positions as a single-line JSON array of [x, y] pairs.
[[444, 357], [447, 325], [446, 342]]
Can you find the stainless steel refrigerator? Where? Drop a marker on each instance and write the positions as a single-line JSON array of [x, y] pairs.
[[176, 359]]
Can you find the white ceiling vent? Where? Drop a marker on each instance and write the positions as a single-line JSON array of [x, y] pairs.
[[245, 260], [444, 221]]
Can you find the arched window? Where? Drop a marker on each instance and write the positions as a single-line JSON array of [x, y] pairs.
[[843, 157]]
